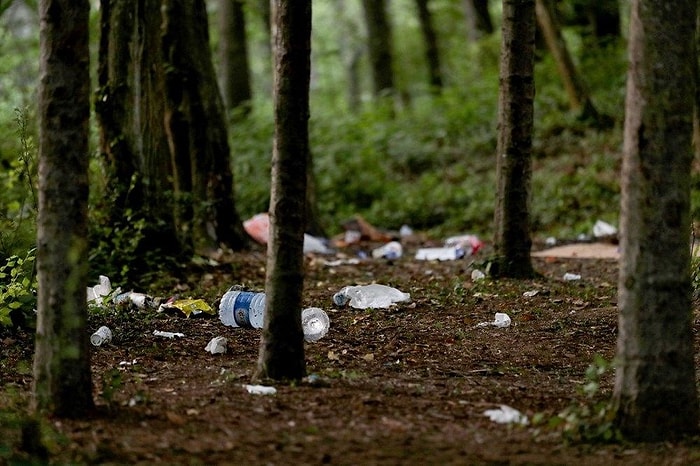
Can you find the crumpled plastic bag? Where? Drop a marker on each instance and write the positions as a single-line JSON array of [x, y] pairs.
[[507, 415]]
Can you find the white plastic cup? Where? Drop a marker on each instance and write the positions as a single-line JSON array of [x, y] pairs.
[[101, 336], [315, 323]]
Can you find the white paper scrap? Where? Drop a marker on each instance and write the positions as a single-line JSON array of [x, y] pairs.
[[260, 390], [159, 333], [506, 415]]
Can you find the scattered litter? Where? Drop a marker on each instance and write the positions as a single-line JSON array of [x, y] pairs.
[[603, 229], [128, 363], [101, 336], [260, 390], [531, 293], [315, 323], [405, 230], [391, 250], [470, 244], [506, 415], [550, 241], [571, 277], [98, 292], [448, 253], [139, 300], [374, 295], [187, 307], [338, 262], [217, 345], [170, 335], [500, 319], [477, 275], [258, 227]]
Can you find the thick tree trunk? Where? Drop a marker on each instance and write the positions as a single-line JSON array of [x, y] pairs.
[[379, 46], [514, 146], [579, 99], [432, 51], [196, 127], [233, 57], [129, 107], [655, 393], [62, 377], [282, 344]]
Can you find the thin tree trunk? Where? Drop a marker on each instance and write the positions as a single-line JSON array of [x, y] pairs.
[[380, 49], [62, 377], [432, 52], [514, 146], [233, 56], [655, 393], [282, 344], [479, 22], [579, 99]]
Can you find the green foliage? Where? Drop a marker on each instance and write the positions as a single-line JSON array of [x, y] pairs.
[[18, 287], [594, 419]]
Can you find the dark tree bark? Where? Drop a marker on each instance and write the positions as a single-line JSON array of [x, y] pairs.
[[282, 344], [601, 19], [579, 98], [379, 46], [233, 57], [129, 107], [62, 377], [196, 127], [351, 53], [432, 51], [479, 22], [514, 146], [655, 393]]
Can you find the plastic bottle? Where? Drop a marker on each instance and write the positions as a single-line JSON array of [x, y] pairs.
[[247, 309], [374, 295]]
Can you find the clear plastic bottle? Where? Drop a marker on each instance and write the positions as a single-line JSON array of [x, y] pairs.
[[374, 295], [247, 309]]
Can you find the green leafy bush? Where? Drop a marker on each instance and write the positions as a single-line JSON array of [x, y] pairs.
[[18, 288]]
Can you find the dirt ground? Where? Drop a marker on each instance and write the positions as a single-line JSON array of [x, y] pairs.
[[404, 385]]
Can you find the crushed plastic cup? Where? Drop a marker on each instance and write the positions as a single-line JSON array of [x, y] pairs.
[[315, 323], [477, 275], [366, 296], [98, 292], [217, 345], [391, 250], [139, 300], [101, 336], [571, 277], [501, 319], [506, 415]]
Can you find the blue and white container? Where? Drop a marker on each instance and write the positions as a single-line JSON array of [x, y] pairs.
[[242, 309]]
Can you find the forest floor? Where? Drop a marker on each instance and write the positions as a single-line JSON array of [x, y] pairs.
[[404, 385]]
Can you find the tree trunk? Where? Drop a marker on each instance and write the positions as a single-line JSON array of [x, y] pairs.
[[432, 52], [579, 99], [196, 127], [233, 57], [514, 146], [379, 46], [129, 108], [479, 22], [62, 378], [282, 344], [655, 393]]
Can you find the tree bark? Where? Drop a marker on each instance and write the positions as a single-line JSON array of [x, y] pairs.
[[655, 394], [379, 47], [432, 51], [62, 377], [129, 107], [479, 22], [514, 145], [196, 128], [282, 344], [233, 57], [579, 98]]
